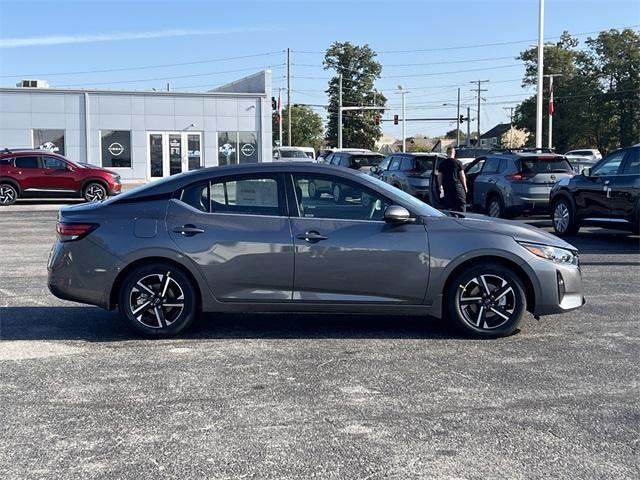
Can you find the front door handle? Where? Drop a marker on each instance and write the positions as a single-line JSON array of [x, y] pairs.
[[311, 236], [188, 230]]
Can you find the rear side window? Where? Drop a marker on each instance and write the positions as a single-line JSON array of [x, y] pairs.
[[26, 162], [492, 165], [423, 164], [395, 163], [545, 165], [633, 163]]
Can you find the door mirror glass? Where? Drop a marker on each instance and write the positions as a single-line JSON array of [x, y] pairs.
[[396, 214]]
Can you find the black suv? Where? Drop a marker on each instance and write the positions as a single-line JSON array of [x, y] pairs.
[[606, 195], [354, 160], [412, 172]]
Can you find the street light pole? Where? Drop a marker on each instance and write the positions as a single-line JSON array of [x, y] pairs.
[[404, 116], [540, 73], [340, 110], [468, 126]]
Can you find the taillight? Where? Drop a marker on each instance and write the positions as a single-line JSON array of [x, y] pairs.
[[73, 231], [520, 176]]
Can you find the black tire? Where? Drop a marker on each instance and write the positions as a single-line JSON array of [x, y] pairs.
[[475, 313], [338, 196], [313, 190], [8, 194], [495, 207], [158, 321], [563, 217], [94, 192]]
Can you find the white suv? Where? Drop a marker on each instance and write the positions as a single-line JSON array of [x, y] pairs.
[[589, 153]]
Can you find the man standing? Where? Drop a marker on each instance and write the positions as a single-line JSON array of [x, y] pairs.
[[453, 182]]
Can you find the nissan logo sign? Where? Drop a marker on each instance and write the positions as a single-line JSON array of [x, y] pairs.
[[116, 149]]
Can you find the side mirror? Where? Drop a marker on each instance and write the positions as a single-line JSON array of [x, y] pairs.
[[396, 214], [586, 172]]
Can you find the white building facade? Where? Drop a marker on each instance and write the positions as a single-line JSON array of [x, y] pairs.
[[143, 135]]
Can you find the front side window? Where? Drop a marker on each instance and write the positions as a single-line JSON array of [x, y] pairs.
[[53, 163], [350, 201], [115, 148], [48, 139], [610, 165], [384, 164], [26, 162], [476, 166]]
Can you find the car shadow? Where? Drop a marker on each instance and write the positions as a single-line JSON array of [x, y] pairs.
[[96, 325], [49, 201]]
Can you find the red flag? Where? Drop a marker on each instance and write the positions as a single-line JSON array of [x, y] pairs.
[[279, 111], [551, 106]]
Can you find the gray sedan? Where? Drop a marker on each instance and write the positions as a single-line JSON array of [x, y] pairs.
[[250, 238]]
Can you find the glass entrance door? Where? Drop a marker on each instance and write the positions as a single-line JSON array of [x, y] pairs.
[[174, 152]]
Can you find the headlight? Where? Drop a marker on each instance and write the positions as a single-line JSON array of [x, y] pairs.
[[555, 254]]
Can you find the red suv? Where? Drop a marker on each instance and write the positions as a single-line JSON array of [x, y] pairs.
[[25, 173]]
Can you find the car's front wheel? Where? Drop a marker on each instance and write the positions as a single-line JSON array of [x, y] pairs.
[[157, 300], [486, 301], [495, 207], [8, 194], [94, 192], [564, 217]]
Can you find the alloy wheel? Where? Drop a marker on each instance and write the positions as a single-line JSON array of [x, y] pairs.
[[312, 190], [157, 300], [487, 301], [8, 195], [561, 217], [494, 208], [95, 193]]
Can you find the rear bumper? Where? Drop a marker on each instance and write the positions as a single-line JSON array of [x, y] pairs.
[[529, 204]]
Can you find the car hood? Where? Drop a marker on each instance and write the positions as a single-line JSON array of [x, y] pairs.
[[519, 231]]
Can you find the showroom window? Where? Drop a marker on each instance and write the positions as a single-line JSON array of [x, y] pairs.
[[237, 147], [52, 140], [248, 147], [115, 148], [227, 146]]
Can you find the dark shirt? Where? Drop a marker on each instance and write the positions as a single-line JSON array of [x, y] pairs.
[[450, 170]]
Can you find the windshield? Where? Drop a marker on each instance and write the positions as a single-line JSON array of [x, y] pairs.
[[292, 154], [545, 165], [412, 202]]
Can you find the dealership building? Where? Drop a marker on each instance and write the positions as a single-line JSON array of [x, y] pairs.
[[142, 135]]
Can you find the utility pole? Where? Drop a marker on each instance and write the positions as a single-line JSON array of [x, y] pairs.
[[289, 96], [551, 107], [478, 91], [468, 126], [280, 116], [540, 72], [511, 109], [340, 110], [458, 122]]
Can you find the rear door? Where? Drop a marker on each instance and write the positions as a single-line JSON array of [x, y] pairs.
[[346, 252], [624, 189], [594, 196], [236, 230], [28, 171]]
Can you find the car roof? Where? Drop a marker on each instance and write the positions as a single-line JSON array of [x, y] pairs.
[[12, 152]]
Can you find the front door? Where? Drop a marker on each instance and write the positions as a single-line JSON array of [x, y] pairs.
[[58, 175], [237, 232], [173, 152], [345, 252], [594, 197]]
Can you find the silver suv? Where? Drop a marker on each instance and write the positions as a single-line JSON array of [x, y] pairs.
[[511, 184]]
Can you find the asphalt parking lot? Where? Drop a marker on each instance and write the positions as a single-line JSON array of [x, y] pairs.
[[324, 396]]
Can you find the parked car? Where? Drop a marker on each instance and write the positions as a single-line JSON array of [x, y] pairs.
[[347, 159], [606, 195], [588, 153], [468, 154], [514, 183], [30, 173], [412, 172], [290, 154], [309, 152], [247, 238], [324, 154], [580, 163]]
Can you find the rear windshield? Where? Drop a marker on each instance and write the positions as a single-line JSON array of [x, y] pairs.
[[545, 165], [292, 154], [368, 160]]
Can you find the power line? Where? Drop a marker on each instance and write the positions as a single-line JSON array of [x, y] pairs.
[[123, 69]]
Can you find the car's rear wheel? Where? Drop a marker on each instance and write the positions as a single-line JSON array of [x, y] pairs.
[[564, 217], [8, 194], [313, 190], [157, 300], [486, 301], [495, 207], [94, 192]]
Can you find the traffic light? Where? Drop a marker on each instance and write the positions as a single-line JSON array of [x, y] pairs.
[[376, 119], [274, 104], [395, 120], [461, 118]]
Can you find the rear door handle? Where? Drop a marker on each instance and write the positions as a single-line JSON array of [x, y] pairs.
[[311, 236], [188, 230]]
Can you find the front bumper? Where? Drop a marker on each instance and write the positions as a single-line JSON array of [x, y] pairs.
[[559, 287], [115, 189]]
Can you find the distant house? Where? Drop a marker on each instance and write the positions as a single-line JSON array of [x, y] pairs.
[[492, 137], [417, 143], [443, 143]]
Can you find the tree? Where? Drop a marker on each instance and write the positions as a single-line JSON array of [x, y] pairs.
[[306, 127], [359, 70], [454, 133], [514, 138]]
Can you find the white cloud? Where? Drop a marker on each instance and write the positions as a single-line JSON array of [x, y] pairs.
[[111, 37]]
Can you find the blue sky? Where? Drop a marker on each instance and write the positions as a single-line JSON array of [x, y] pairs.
[[40, 38]]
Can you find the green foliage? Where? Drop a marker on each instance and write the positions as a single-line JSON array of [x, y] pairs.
[[453, 133], [306, 127], [359, 71], [597, 98]]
